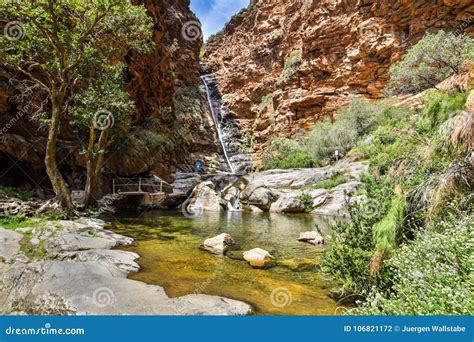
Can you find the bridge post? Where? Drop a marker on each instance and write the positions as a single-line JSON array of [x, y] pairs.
[[139, 185]]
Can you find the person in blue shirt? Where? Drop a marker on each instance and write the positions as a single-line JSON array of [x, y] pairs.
[[198, 166]]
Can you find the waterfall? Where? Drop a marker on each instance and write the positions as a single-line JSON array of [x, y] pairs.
[[216, 121], [234, 203]]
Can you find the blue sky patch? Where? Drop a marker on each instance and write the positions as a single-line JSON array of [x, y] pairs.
[[214, 14]]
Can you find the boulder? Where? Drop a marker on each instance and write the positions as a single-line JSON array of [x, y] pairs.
[[219, 244], [312, 237], [205, 198], [261, 197], [258, 258], [9, 244]]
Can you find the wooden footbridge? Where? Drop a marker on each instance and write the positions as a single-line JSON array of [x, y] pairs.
[[147, 192]]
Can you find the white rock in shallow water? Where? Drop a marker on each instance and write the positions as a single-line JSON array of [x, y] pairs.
[[218, 244], [258, 257], [312, 237]]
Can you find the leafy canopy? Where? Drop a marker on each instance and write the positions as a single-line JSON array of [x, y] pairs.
[[75, 44], [433, 59]]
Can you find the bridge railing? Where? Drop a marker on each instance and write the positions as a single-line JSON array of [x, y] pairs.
[[140, 185]]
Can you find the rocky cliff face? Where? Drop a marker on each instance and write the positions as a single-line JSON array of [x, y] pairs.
[[170, 101], [287, 64]]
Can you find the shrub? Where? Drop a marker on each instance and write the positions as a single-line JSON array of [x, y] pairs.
[[430, 61], [431, 275], [388, 232], [356, 121], [439, 106], [332, 182], [307, 202], [286, 154], [349, 255]]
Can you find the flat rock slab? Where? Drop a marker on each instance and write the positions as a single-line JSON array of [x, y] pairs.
[[90, 289], [121, 261], [9, 244], [78, 242]]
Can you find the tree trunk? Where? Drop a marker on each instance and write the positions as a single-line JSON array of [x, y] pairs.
[[95, 160], [60, 187]]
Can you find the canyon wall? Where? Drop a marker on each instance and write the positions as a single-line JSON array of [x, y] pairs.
[[282, 65], [171, 106]]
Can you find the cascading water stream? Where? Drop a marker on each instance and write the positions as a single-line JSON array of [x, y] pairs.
[[216, 121]]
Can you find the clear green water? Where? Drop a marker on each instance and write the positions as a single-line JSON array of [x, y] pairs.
[[168, 244]]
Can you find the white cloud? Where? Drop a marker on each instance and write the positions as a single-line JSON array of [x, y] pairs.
[[220, 14]]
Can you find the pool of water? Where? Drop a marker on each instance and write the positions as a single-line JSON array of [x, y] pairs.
[[168, 244]]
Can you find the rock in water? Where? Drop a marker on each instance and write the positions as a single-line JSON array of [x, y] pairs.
[[219, 244], [312, 237], [258, 258], [205, 198]]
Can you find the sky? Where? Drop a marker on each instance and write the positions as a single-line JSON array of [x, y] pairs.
[[214, 14]]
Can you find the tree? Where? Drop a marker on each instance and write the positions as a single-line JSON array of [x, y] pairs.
[[65, 47], [433, 59]]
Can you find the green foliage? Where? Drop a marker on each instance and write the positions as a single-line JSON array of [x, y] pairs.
[[319, 146], [332, 182], [78, 47], [431, 275], [430, 61], [381, 256], [349, 255], [15, 193], [307, 202], [14, 222], [292, 65], [354, 122], [388, 232], [286, 154], [439, 106]]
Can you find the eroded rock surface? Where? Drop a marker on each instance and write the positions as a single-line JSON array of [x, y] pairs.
[[286, 64]]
